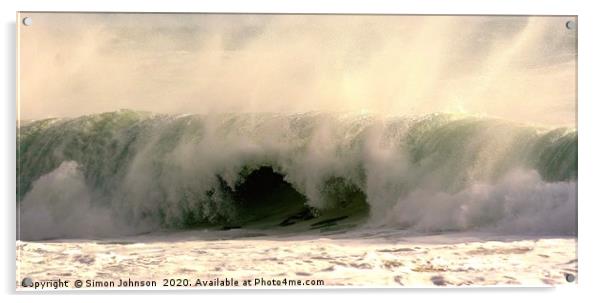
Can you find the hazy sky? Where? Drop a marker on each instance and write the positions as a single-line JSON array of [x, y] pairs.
[[520, 68]]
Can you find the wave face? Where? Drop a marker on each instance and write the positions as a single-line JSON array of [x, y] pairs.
[[123, 172]]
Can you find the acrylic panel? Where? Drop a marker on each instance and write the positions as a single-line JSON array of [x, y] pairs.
[[191, 150]]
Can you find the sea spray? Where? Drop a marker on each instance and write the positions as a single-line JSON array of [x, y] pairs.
[[147, 171]]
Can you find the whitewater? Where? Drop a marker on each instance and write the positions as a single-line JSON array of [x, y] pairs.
[[433, 173], [438, 189]]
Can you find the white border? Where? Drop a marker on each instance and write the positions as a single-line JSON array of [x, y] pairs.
[[554, 7], [590, 150]]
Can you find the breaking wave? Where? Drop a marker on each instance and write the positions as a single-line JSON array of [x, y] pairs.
[[127, 172]]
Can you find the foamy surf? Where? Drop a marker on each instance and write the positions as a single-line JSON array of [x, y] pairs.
[[271, 259]]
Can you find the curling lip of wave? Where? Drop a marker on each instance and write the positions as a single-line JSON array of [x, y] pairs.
[[180, 171]]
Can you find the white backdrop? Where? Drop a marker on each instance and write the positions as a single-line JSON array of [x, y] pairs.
[[589, 160]]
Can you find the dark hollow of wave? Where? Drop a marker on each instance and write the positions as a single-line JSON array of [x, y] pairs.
[[264, 199]]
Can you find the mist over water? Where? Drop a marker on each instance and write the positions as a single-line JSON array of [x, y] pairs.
[[514, 67]]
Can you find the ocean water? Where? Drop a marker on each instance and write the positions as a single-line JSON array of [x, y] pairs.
[[126, 173]]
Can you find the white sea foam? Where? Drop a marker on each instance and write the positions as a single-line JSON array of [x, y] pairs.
[[519, 203]]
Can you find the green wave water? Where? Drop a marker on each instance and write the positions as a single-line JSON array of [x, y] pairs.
[[203, 170]]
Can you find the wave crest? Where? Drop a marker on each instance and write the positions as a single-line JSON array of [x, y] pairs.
[[181, 171]]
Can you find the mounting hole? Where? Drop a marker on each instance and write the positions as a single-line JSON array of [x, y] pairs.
[[27, 282], [27, 21], [570, 24], [569, 277]]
